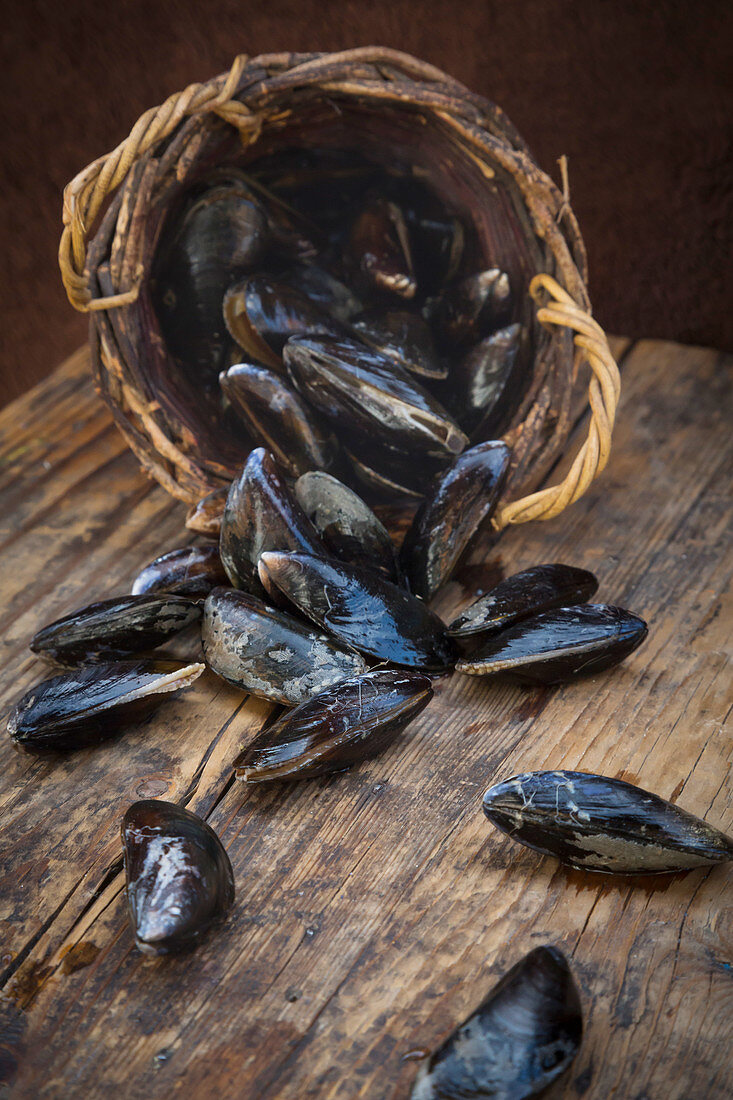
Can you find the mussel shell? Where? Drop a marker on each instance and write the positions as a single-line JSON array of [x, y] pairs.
[[540, 588], [471, 307], [262, 514], [348, 526], [363, 392], [437, 242], [191, 571], [389, 472], [269, 653], [600, 824], [204, 517], [362, 609], [91, 703], [524, 1035], [219, 236], [479, 379], [463, 497], [404, 337], [114, 628], [340, 727], [263, 312], [380, 246], [278, 418], [559, 645], [179, 878], [327, 292]]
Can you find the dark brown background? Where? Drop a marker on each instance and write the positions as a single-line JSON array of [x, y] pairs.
[[638, 95]]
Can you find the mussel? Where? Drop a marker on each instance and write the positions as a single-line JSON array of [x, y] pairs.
[[269, 653], [600, 824], [191, 571], [114, 628], [219, 235], [540, 588], [461, 500], [336, 729], [179, 878], [348, 526], [277, 417], [520, 1039], [204, 517], [380, 248], [389, 472], [559, 645], [362, 609], [472, 307], [262, 514], [263, 312], [479, 379], [404, 337], [91, 703], [325, 291], [370, 397]]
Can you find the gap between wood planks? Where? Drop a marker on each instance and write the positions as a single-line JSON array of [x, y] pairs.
[[111, 878]]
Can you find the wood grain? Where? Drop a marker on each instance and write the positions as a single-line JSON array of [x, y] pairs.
[[374, 909]]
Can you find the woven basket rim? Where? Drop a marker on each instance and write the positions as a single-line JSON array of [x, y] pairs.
[[248, 97]]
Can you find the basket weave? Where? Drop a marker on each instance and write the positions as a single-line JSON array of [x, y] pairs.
[[397, 106]]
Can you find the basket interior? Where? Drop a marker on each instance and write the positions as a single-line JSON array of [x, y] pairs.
[[405, 141]]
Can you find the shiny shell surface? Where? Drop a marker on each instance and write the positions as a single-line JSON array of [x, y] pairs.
[[262, 514], [362, 609], [179, 878], [278, 418], [219, 236], [269, 653], [348, 723], [462, 499], [404, 337], [559, 645], [471, 307], [365, 394], [191, 571], [599, 824], [347, 525], [540, 588], [263, 312], [478, 380], [91, 703], [524, 1036], [116, 627]]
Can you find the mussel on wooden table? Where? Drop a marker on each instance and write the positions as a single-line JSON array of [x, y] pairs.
[[269, 653], [534, 590], [92, 703], [115, 628], [596, 823], [524, 1036], [179, 878], [559, 645], [341, 726]]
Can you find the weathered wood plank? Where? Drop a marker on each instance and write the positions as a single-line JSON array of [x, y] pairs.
[[376, 909]]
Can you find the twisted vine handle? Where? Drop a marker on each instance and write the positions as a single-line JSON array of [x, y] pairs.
[[84, 196], [603, 394]]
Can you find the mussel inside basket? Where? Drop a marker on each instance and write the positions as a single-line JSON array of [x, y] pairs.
[[371, 277]]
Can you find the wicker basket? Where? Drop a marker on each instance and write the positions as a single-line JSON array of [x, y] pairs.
[[394, 108]]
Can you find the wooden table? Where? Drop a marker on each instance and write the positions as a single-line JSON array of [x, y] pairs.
[[374, 909]]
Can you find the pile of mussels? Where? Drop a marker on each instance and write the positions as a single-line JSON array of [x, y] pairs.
[[307, 602]]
